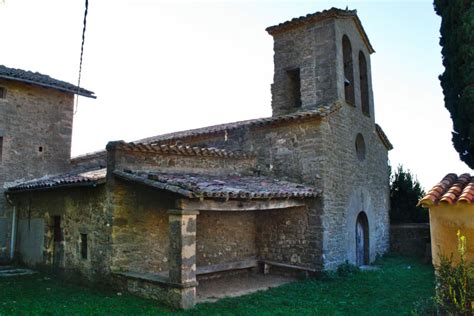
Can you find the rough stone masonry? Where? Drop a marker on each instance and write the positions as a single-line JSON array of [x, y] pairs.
[[301, 191]]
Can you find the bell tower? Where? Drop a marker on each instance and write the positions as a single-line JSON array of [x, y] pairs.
[[321, 58]]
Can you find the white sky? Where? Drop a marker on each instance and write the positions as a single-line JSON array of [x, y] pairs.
[[163, 66]]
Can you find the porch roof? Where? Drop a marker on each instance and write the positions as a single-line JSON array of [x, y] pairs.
[[73, 179], [232, 186]]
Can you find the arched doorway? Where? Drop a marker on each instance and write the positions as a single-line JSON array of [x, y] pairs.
[[362, 239]]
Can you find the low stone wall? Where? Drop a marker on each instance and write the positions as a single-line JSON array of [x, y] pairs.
[[410, 239]]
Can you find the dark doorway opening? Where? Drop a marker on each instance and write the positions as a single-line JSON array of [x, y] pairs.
[[294, 87], [362, 240]]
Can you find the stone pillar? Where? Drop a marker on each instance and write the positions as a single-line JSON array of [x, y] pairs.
[[182, 258]]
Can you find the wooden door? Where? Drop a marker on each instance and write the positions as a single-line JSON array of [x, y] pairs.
[[362, 240]]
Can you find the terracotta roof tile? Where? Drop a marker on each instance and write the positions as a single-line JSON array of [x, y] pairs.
[[42, 80], [450, 190], [83, 178], [323, 15], [181, 150], [224, 186]]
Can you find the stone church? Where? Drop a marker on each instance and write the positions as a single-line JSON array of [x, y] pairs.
[[303, 190]]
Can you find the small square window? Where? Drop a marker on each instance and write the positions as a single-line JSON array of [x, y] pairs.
[[3, 93]]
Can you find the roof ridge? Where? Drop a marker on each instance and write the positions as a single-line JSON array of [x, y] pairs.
[[320, 111]]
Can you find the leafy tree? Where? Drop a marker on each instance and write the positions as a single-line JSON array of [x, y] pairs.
[[457, 81], [405, 192]]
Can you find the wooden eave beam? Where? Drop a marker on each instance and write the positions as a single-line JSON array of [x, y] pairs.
[[234, 205]]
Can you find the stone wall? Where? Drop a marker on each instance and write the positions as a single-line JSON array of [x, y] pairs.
[[140, 227], [82, 211], [289, 151], [322, 153], [353, 185], [347, 27], [36, 124], [410, 239], [311, 49], [225, 237], [144, 161], [289, 236]]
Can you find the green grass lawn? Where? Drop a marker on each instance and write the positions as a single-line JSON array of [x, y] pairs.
[[399, 287]]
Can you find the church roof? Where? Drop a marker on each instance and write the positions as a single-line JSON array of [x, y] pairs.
[[319, 112], [319, 16], [231, 186], [383, 137], [144, 143], [42, 80], [451, 190], [73, 179]]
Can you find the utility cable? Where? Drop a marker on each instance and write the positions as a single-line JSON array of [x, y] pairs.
[[82, 53]]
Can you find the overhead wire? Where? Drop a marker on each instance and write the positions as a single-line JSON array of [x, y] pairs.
[[82, 54]]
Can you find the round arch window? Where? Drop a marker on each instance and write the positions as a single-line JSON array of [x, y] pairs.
[[360, 147]]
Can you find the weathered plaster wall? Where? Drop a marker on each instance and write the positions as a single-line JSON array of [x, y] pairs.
[[445, 221], [82, 211], [31, 117]]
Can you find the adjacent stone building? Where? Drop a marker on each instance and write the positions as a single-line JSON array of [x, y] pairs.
[[303, 190], [36, 114]]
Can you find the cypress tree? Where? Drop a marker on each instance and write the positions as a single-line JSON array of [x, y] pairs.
[[457, 81], [405, 192]]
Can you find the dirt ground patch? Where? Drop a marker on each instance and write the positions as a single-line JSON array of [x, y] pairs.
[[211, 290]]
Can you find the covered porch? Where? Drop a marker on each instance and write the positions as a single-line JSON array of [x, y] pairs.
[[225, 235]]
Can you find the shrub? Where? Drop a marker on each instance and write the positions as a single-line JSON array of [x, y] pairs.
[[455, 282], [346, 269]]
